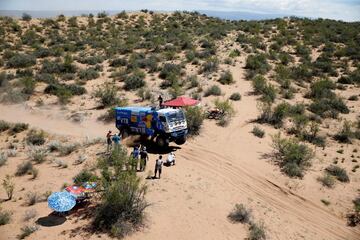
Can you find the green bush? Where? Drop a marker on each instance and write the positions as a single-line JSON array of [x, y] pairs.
[[123, 203], [240, 214], [21, 61], [327, 180], [257, 64], [338, 172], [322, 89], [134, 81], [27, 231], [88, 74], [329, 107], [19, 127], [345, 134], [353, 98], [194, 118], [260, 86], [226, 78], [107, 94], [3, 158], [258, 132], [84, 176], [170, 70], [24, 168], [212, 91], [35, 137], [210, 65], [5, 217], [293, 157], [257, 231], [37, 154], [4, 126], [8, 186], [118, 62], [235, 97]]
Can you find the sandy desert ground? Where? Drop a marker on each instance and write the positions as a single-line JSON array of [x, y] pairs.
[[219, 168]]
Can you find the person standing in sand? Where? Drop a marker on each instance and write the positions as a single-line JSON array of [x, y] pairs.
[[108, 140], [144, 157], [116, 139], [158, 166]]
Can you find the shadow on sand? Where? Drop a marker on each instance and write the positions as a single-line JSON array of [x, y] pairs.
[[52, 220]]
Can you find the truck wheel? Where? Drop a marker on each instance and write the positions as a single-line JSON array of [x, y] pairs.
[[162, 141], [125, 133], [180, 141]]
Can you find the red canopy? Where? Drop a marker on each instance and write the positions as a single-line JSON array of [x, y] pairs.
[[181, 102]]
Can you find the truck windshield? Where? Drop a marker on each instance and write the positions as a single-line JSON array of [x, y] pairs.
[[175, 116]]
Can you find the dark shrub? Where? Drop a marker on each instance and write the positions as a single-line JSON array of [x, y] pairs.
[[226, 78], [107, 95], [210, 65], [21, 61], [212, 91], [24, 168], [257, 63], [328, 107], [258, 132], [45, 77], [293, 157], [58, 89], [5, 217], [19, 127], [170, 70], [338, 172], [194, 118], [118, 62], [322, 89], [134, 81], [28, 85], [345, 134], [240, 214], [327, 180], [257, 231], [84, 176], [4, 126], [35, 137], [258, 84], [235, 97], [43, 52], [88, 74], [26, 17]]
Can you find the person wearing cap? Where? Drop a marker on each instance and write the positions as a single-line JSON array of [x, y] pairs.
[[135, 156], [158, 166], [108, 140], [144, 157]]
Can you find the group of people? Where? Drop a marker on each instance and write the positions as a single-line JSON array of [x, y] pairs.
[[140, 153]]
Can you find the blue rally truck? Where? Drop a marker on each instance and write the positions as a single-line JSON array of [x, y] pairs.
[[164, 125]]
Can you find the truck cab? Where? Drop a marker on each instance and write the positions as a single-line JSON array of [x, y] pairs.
[[165, 125]]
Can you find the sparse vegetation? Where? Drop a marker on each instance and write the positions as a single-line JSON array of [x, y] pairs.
[[212, 91], [327, 180], [338, 172], [194, 117], [258, 132], [35, 137], [8, 186], [235, 97], [24, 168], [27, 231], [5, 217], [240, 214]]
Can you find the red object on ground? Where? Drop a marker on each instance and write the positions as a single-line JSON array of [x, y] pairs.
[[181, 102], [75, 190]]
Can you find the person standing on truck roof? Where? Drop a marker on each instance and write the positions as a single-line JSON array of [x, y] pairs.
[[144, 157], [160, 99], [108, 140], [158, 166]]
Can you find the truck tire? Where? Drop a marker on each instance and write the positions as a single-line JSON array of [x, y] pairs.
[[162, 142], [180, 141], [125, 133]]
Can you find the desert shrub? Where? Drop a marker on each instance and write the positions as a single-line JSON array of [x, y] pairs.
[[134, 81], [240, 214], [210, 65], [3, 158], [37, 154], [58, 89], [46, 78], [257, 231], [8, 186], [258, 132], [27, 231], [293, 157], [322, 89], [91, 60], [24, 168], [212, 91], [35, 137], [28, 84], [269, 93], [60, 163], [3, 79], [225, 107], [170, 70], [194, 117], [234, 53], [235, 97], [145, 94], [19, 127], [338, 172], [260, 86], [31, 198], [353, 98], [21, 61], [107, 94], [226, 78], [327, 180], [118, 62], [68, 148], [34, 173], [257, 64], [29, 214], [42, 52], [108, 116], [84, 176], [280, 112], [122, 206], [4, 125], [329, 107], [88, 74], [345, 134], [26, 17], [80, 159], [5, 217]]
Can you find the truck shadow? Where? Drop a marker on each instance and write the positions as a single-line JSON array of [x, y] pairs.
[[153, 148]]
